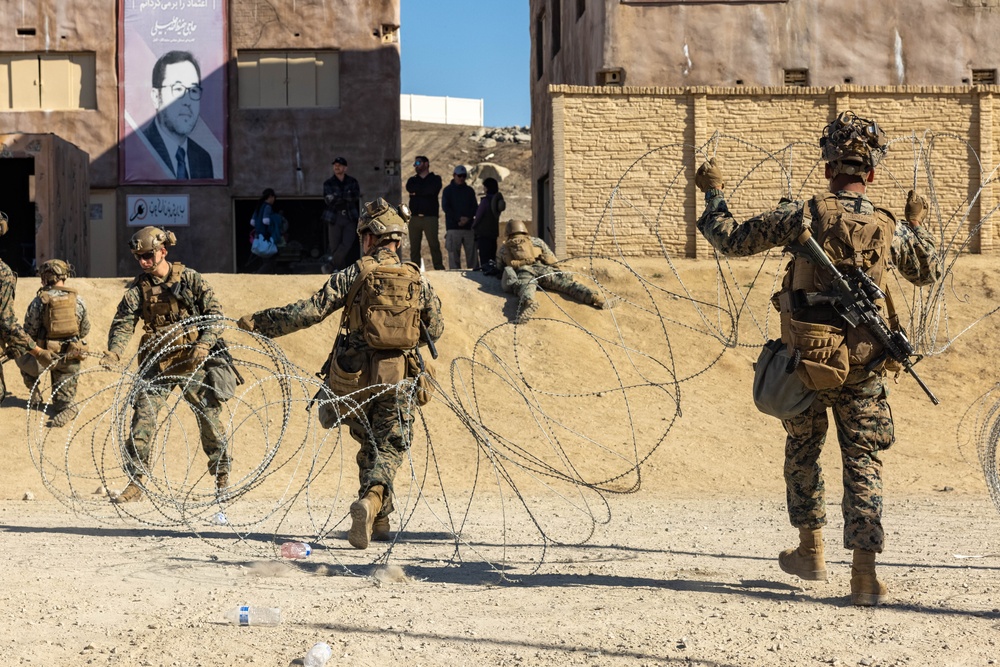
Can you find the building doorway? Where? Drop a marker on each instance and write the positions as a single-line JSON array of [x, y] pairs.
[[305, 238], [17, 246]]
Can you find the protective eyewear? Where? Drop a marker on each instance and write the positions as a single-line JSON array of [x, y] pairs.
[[146, 255]]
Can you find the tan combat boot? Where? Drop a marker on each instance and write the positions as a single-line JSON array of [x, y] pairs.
[[806, 561], [63, 417], [221, 482], [866, 590], [597, 301], [130, 493], [363, 513], [381, 531], [528, 308]]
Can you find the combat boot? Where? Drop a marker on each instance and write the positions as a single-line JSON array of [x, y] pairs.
[[130, 493], [221, 482], [866, 590], [381, 531], [597, 301], [363, 513], [63, 417], [806, 561], [528, 309]]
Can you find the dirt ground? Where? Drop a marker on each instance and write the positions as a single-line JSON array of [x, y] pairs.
[[682, 570]]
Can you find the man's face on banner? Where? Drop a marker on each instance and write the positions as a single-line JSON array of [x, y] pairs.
[[178, 100]]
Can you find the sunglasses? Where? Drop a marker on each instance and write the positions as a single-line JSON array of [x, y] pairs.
[[417, 163], [146, 256], [459, 175]]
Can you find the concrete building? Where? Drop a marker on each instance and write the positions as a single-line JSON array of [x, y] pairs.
[[614, 79], [283, 89]]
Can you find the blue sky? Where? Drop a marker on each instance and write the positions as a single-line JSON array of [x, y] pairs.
[[477, 49]]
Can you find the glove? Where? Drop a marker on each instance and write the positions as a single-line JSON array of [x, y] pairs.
[[548, 259], [199, 353], [110, 360], [709, 177], [518, 263], [916, 208], [246, 323], [44, 357]]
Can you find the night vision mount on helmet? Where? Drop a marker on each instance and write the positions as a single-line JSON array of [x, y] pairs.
[[383, 220], [149, 239], [853, 144]]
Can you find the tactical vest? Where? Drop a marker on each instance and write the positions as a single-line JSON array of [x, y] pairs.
[[161, 310], [850, 240], [520, 247], [387, 308], [59, 313]]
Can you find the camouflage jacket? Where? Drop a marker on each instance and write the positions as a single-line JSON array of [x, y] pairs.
[[913, 252], [34, 318], [332, 297], [538, 268], [191, 289], [13, 337]]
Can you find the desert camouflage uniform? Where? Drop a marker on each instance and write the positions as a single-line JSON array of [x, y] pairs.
[[385, 428], [14, 339], [860, 407], [200, 300], [525, 280], [64, 373]]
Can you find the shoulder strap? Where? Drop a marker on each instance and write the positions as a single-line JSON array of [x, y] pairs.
[[176, 269], [366, 265]]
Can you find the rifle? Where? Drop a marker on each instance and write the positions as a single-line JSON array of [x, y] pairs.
[[430, 342], [854, 300]]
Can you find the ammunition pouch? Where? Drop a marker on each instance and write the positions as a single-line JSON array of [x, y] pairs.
[[423, 372], [824, 362], [172, 353]]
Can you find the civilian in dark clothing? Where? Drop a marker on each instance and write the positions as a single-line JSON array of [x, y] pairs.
[[341, 194], [487, 221], [424, 187], [459, 204]]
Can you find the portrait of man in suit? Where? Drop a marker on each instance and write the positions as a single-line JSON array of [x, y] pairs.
[[176, 96]]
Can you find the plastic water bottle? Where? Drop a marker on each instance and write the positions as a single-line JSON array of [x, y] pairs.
[[295, 550], [318, 655], [247, 615]]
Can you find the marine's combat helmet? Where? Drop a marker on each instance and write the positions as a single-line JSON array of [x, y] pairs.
[[516, 227], [149, 239], [55, 270], [3, 223], [852, 145], [383, 220]]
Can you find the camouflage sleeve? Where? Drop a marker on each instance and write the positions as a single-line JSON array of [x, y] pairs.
[[772, 229], [914, 254], [81, 318], [33, 319], [431, 311], [547, 256], [126, 317], [205, 303], [11, 333], [327, 300]]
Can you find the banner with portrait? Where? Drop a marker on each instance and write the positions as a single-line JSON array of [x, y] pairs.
[[172, 70]]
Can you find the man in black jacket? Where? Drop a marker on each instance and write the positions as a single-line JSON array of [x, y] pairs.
[[458, 201], [342, 194], [423, 188]]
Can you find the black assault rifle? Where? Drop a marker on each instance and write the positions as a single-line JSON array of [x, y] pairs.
[[853, 298]]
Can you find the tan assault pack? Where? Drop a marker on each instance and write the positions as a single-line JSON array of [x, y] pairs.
[[520, 248], [59, 313], [813, 331], [387, 312]]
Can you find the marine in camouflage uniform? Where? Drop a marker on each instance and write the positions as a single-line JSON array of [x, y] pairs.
[[14, 340], [64, 374], [181, 292], [860, 407], [526, 263], [384, 429]]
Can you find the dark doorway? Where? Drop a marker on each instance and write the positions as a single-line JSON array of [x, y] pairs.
[[17, 246], [305, 239]]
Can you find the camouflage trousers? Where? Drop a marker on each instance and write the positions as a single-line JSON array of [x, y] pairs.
[[524, 283], [384, 436], [144, 424], [64, 378], [864, 428]]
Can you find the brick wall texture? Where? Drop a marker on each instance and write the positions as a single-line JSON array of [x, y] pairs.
[[624, 159]]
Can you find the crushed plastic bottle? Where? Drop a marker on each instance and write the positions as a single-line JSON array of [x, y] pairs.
[[295, 550], [219, 519], [318, 655], [247, 615]]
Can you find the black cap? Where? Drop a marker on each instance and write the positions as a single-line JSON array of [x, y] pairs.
[[340, 160]]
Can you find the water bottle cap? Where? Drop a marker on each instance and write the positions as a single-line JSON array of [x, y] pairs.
[[309, 549]]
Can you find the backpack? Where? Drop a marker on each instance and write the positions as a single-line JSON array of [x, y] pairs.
[[387, 309], [59, 314]]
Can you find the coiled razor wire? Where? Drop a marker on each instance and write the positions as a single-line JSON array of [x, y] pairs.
[[542, 455]]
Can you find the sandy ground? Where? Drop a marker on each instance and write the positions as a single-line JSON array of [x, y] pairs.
[[681, 571]]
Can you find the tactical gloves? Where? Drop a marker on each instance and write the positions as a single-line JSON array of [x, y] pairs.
[[110, 360], [199, 353], [44, 357], [246, 323], [709, 177], [916, 208]]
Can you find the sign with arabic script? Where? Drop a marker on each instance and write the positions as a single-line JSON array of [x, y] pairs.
[[157, 210], [172, 67]]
